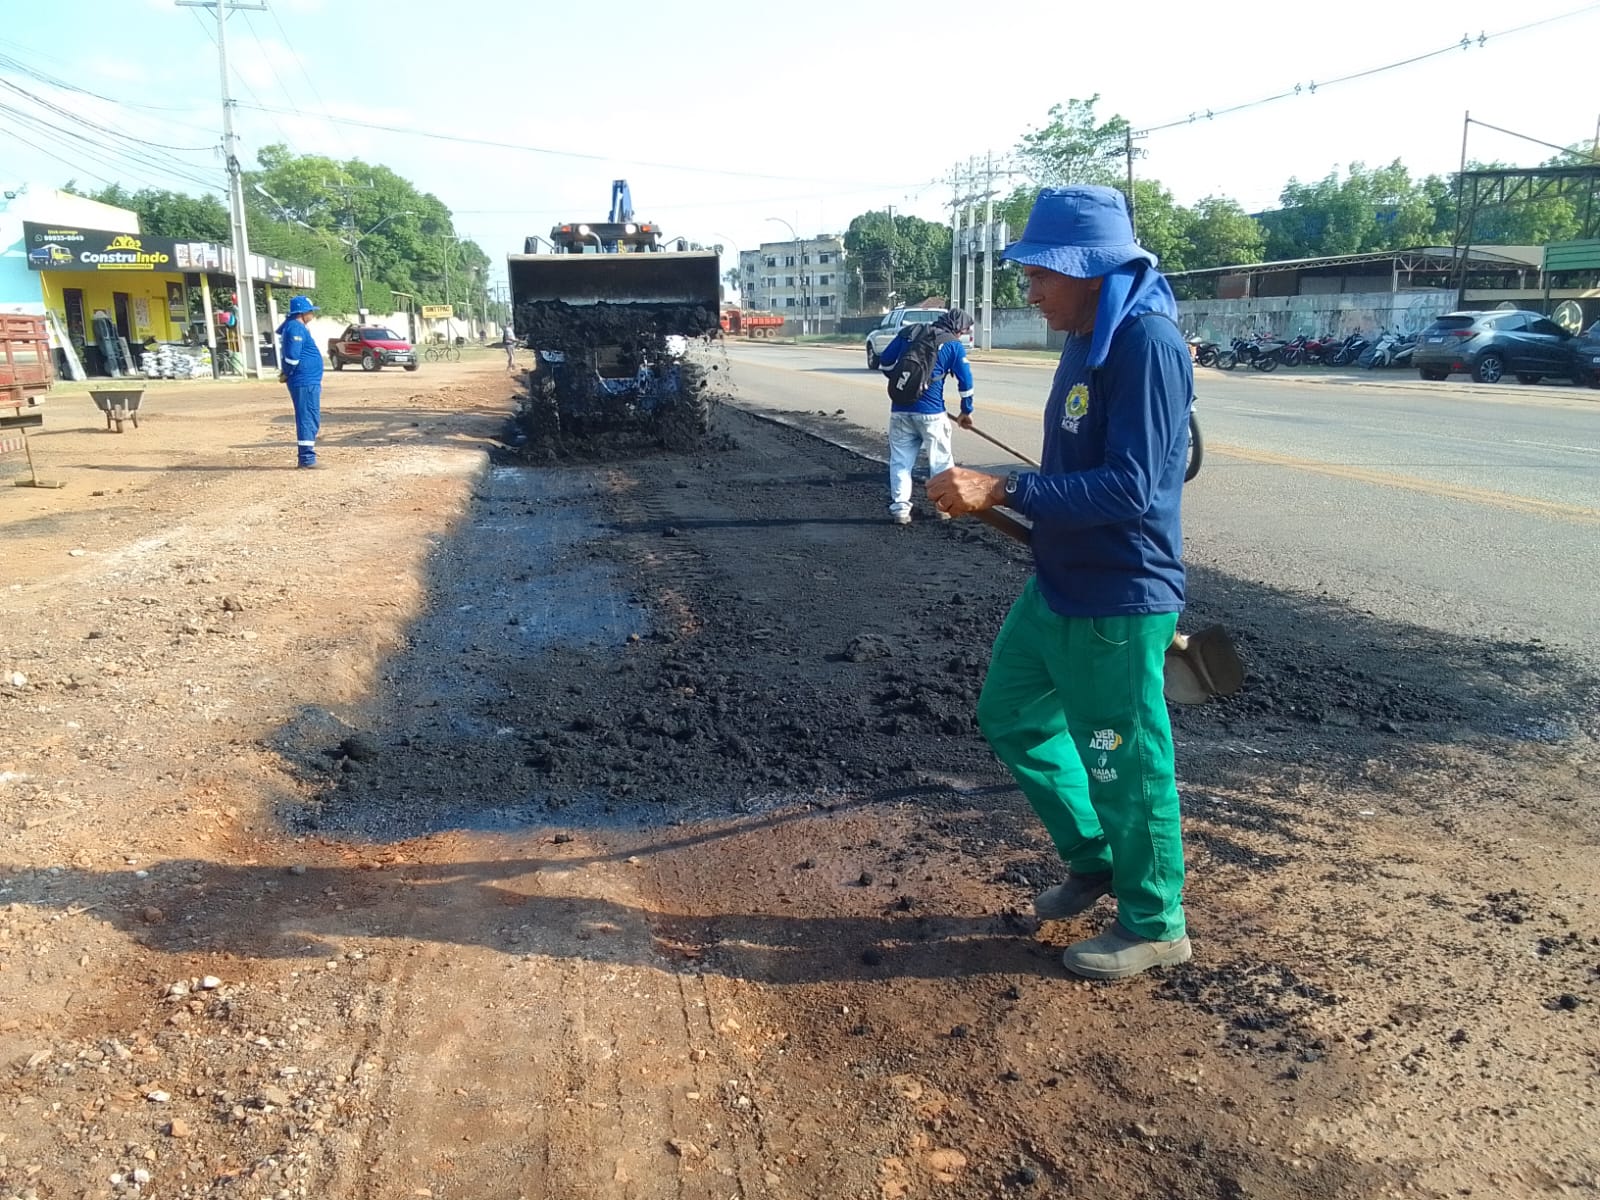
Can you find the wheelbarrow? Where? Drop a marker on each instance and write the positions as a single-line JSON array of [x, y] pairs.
[[119, 404]]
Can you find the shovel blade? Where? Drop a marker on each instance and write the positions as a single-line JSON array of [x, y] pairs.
[[1217, 660], [1179, 682]]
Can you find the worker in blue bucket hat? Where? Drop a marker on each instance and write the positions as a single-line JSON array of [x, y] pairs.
[[301, 368], [1073, 701]]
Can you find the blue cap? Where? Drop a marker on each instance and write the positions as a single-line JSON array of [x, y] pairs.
[[301, 304], [1084, 232]]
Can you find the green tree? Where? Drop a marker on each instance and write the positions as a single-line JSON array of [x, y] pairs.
[[1075, 146], [1381, 208], [1162, 224], [1220, 233], [913, 253], [406, 238], [171, 214]]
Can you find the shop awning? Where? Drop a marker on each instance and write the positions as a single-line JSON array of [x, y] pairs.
[[66, 248]]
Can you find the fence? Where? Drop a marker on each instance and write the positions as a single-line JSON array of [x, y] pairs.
[[1340, 314]]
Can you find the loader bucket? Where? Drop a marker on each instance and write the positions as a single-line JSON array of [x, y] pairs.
[[691, 279]]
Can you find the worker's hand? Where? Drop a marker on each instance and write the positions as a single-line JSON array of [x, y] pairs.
[[960, 490], [964, 420], [282, 378]]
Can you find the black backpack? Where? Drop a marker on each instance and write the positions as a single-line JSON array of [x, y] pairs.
[[910, 377]]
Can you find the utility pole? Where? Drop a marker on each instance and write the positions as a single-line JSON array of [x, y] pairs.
[[968, 281], [355, 259], [894, 240], [1463, 221], [1133, 217], [353, 235], [986, 340], [955, 234], [248, 333]]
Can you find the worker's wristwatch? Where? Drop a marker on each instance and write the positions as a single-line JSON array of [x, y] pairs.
[[1012, 480]]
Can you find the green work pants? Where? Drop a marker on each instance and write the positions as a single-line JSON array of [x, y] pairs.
[[1073, 706]]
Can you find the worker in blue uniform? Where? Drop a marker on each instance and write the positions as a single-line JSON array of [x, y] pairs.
[[301, 368]]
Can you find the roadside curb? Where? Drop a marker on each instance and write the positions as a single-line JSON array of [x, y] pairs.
[[1418, 387]]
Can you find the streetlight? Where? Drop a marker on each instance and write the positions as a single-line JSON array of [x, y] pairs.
[[805, 296], [738, 264], [355, 256], [353, 243]]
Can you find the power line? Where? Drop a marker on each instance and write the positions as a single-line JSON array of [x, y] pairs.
[[100, 150], [245, 83], [80, 119], [34, 73], [299, 62], [255, 34], [72, 166], [1312, 88], [637, 162]]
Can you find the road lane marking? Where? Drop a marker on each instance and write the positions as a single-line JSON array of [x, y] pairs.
[[1567, 449], [1410, 483]]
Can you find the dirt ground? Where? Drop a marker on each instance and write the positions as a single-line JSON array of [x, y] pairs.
[[435, 825]]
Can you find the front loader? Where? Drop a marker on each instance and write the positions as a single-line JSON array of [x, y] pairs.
[[610, 315]]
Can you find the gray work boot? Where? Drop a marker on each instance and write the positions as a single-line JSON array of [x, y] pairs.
[[1118, 954], [1068, 899]]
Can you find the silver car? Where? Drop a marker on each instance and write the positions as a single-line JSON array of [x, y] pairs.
[[892, 324]]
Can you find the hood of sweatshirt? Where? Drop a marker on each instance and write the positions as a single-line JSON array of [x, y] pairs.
[[1128, 291]]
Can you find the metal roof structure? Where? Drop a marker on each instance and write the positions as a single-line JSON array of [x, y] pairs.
[[1416, 258]]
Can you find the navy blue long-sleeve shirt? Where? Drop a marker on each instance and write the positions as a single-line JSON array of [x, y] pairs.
[[952, 360], [299, 357], [1107, 538]]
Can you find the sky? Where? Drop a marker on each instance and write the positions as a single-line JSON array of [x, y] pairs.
[[723, 117]]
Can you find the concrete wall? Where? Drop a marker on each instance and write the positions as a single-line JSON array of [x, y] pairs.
[[1023, 329], [1289, 316]]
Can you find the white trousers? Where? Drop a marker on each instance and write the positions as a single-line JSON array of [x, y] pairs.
[[908, 434]]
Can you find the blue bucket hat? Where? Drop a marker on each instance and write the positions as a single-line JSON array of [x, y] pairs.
[[1083, 232], [301, 304]]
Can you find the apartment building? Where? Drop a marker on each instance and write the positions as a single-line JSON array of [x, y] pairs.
[[803, 281]]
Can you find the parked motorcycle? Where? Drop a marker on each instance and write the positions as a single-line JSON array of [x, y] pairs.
[[1268, 355], [1197, 447], [1390, 350], [1318, 349], [1348, 351], [1205, 353], [1377, 354], [1239, 351], [1294, 352]]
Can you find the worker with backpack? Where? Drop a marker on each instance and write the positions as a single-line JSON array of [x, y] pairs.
[[916, 364]]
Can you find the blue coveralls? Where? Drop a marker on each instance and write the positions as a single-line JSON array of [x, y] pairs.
[[302, 369]]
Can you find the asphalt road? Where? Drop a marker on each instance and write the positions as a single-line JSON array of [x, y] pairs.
[[1451, 509]]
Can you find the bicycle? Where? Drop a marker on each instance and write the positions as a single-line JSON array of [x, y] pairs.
[[445, 353]]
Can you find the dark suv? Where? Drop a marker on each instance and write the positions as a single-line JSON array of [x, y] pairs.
[[1586, 357], [1491, 345]]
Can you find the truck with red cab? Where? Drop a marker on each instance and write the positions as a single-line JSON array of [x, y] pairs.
[[373, 346]]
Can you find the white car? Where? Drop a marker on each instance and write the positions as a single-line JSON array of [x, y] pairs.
[[892, 324]]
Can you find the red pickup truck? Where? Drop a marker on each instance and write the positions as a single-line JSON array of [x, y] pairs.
[[373, 346]]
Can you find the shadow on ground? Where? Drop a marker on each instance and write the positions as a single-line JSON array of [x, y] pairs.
[[682, 636]]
